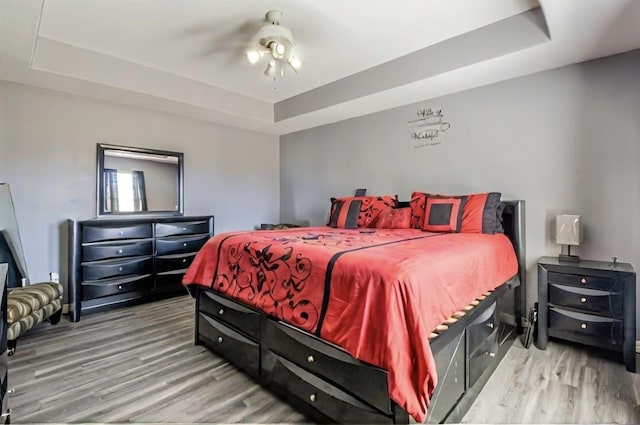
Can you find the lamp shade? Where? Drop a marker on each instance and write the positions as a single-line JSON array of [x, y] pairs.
[[568, 229]]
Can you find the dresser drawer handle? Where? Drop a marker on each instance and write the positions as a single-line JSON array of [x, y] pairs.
[[220, 339], [310, 359], [121, 232], [583, 300], [492, 354], [221, 311], [119, 269], [583, 326], [184, 229], [184, 260], [119, 251], [11, 391], [583, 280], [184, 244], [312, 397], [119, 287]]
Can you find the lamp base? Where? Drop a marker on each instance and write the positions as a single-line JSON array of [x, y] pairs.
[[568, 258]]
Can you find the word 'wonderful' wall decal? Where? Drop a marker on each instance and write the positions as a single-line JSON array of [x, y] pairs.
[[427, 127]]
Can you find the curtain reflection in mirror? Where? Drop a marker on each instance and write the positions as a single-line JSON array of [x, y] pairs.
[[125, 191]]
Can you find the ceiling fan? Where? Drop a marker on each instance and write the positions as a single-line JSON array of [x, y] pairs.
[[275, 43]]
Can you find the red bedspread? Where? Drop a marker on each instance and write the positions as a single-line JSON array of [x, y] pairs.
[[377, 294]]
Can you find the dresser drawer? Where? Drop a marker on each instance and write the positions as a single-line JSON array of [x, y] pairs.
[[317, 393], [184, 228], [170, 281], [584, 328], [590, 300], [116, 250], [96, 233], [333, 364], [236, 315], [585, 281], [105, 269], [230, 344], [173, 262], [104, 288], [177, 245]]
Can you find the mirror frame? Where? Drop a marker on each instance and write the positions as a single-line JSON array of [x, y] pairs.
[[100, 207]]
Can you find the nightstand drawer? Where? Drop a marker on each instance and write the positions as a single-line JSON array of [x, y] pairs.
[[589, 329], [585, 281], [589, 300]]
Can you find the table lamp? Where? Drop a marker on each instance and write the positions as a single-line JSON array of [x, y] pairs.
[[569, 233]]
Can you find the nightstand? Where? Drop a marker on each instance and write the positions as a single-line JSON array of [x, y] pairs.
[[589, 302]]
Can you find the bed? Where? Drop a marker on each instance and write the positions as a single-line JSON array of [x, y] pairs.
[[348, 325]]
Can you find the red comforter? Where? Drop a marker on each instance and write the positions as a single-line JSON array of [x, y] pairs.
[[376, 293]]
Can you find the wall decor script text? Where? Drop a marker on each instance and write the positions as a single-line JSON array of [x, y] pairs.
[[427, 127]]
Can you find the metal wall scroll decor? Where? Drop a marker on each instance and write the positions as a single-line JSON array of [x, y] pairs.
[[427, 127]]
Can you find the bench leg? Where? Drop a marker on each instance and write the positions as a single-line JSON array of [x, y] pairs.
[[11, 346], [55, 317]]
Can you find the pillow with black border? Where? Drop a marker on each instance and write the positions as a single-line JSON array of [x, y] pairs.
[[443, 214], [345, 213]]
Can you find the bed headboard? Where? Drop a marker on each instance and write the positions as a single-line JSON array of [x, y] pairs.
[[514, 227]]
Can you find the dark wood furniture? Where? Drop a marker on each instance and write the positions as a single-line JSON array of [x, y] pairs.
[[589, 302], [116, 262], [5, 412], [329, 385]]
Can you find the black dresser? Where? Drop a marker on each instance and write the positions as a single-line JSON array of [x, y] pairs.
[[589, 302], [117, 262]]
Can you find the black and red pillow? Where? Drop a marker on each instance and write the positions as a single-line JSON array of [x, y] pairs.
[[370, 207], [418, 203], [482, 213], [394, 218], [443, 214], [344, 213]]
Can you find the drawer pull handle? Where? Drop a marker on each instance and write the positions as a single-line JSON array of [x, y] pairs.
[[583, 300], [184, 244], [221, 311], [492, 354], [119, 269], [184, 229], [312, 397], [184, 260], [119, 287], [220, 339], [121, 233], [119, 251], [6, 414], [310, 359], [11, 391], [583, 280], [583, 326]]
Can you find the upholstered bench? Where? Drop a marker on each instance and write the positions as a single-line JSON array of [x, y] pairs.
[[30, 305]]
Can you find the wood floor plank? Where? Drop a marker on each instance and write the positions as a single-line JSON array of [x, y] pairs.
[[139, 364]]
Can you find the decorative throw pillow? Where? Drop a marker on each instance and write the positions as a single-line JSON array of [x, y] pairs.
[[418, 203], [371, 207], [482, 213], [443, 214], [394, 218], [345, 213]]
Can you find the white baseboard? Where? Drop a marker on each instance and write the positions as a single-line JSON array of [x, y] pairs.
[[638, 347], [65, 310]]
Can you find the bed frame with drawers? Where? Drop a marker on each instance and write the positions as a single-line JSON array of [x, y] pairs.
[[329, 385]]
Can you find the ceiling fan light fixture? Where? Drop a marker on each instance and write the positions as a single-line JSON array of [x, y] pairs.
[[271, 69], [294, 63], [253, 56]]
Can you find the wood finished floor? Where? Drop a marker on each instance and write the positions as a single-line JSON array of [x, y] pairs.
[[139, 364]]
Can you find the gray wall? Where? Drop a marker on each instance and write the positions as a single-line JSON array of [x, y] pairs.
[[566, 140], [48, 155], [160, 180]]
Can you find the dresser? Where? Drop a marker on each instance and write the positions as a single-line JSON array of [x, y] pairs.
[[588, 302], [118, 262]]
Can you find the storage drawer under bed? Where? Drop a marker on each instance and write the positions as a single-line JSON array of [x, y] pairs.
[[230, 344], [230, 312]]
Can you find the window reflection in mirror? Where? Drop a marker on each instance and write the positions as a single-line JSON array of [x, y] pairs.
[[136, 180]]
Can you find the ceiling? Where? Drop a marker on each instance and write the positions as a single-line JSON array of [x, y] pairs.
[[360, 56]]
